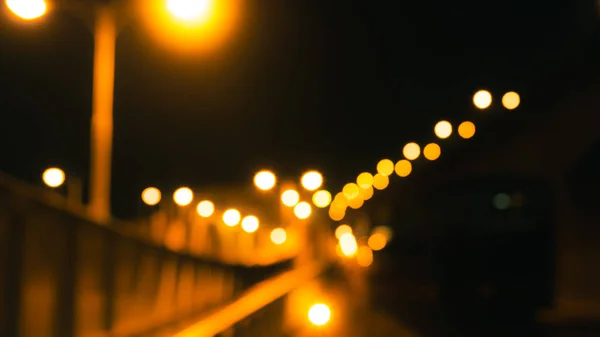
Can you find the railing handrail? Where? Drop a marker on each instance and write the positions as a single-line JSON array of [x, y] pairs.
[[251, 301], [56, 201]]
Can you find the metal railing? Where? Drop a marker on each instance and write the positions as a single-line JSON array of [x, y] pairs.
[[257, 312], [63, 275]]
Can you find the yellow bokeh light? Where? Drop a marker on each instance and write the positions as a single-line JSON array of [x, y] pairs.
[[356, 203], [341, 230], [511, 100], [265, 180], [319, 314], [53, 177], [482, 99], [364, 180], [190, 9], [205, 208], [411, 151], [351, 191], [348, 244], [466, 130], [311, 180], [339, 205], [278, 236], [321, 198], [432, 151], [340, 199], [151, 196], [364, 257], [385, 167], [336, 213], [403, 168], [443, 129], [183, 196], [339, 202], [250, 224], [232, 217], [302, 210], [377, 241], [366, 193], [290, 198], [27, 9], [380, 182]]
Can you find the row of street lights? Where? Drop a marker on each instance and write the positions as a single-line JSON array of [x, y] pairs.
[[264, 180], [354, 194]]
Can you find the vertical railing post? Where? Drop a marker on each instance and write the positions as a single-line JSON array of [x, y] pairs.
[[66, 312], [109, 281]]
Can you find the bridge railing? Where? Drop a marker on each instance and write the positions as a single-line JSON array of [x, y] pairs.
[[62, 275], [259, 311]]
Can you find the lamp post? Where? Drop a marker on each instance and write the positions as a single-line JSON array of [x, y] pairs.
[[105, 36]]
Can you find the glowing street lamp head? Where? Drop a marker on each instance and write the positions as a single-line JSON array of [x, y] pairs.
[[151, 196], [321, 198], [290, 198], [27, 9], [302, 210], [443, 129], [250, 224], [190, 10], [466, 130], [319, 314], [482, 99], [278, 236], [311, 180], [265, 180], [411, 151], [53, 177], [205, 208], [183, 196], [231, 217], [511, 100]]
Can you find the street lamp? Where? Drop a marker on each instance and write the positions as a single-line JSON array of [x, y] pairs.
[[278, 236], [482, 99], [205, 208], [250, 224], [232, 217], [105, 36], [183, 196], [443, 129], [265, 180], [311, 180], [53, 177], [189, 10], [151, 196], [511, 100], [302, 210], [27, 9], [290, 198], [319, 314], [411, 151], [466, 130]]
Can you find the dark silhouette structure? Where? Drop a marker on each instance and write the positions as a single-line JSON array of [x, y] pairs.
[[505, 225]]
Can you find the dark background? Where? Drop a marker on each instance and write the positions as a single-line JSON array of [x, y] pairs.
[[330, 85]]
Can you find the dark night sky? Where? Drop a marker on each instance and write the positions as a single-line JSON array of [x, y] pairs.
[[332, 85]]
